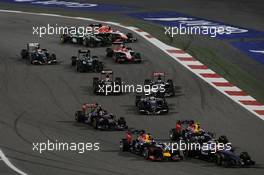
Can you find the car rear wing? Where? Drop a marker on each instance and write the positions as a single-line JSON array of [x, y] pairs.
[[84, 51], [156, 74], [107, 72]]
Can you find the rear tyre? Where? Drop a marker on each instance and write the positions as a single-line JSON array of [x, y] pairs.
[[95, 84], [24, 54], [109, 52], [95, 124], [80, 116], [124, 145]]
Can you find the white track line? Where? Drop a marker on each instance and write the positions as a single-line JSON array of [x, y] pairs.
[[178, 55], [9, 164]]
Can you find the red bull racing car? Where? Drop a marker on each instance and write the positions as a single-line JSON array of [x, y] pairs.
[[141, 143]]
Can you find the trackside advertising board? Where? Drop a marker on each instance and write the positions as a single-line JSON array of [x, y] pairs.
[[71, 4], [183, 23]]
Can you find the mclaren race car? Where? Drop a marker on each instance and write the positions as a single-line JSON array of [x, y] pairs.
[[139, 142], [84, 62], [38, 56], [123, 54], [151, 105], [99, 118], [164, 87], [106, 84]]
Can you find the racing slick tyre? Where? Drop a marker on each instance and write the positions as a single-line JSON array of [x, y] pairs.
[[218, 160], [91, 43], [171, 87], [53, 57], [73, 60], [63, 39], [95, 124], [147, 82], [95, 85], [118, 81], [24, 54], [121, 121], [138, 58], [99, 67], [146, 153], [124, 145], [223, 139], [138, 97], [109, 52], [85, 42], [80, 116], [173, 135]]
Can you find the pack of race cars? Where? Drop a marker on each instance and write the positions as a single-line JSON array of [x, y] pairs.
[[136, 141]]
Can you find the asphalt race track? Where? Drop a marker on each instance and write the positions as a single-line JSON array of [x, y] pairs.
[[38, 103]]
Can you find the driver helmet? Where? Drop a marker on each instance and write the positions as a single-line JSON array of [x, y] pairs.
[[107, 78], [159, 79], [152, 98]]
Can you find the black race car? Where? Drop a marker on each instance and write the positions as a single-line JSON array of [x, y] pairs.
[[38, 56], [231, 159], [139, 142], [84, 62], [163, 87], [100, 119], [151, 105], [106, 84], [89, 40]]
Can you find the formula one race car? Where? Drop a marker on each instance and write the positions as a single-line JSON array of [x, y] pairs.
[[229, 158], [188, 130], [105, 84], [139, 142], [151, 105], [115, 36], [122, 54], [99, 118], [89, 40], [38, 56], [84, 62], [164, 87]]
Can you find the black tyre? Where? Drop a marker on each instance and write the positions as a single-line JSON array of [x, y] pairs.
[[73, 60], [95, 124], [218, 160], [129, 35], [173, 135], [85, 42], [171, 87], [124, 145], [95, 84], [138, 97], [53, 57], [147, 82], [63, 39], [80, 116], [24, 54], [146, 153], [109, 52], [99, 67]]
